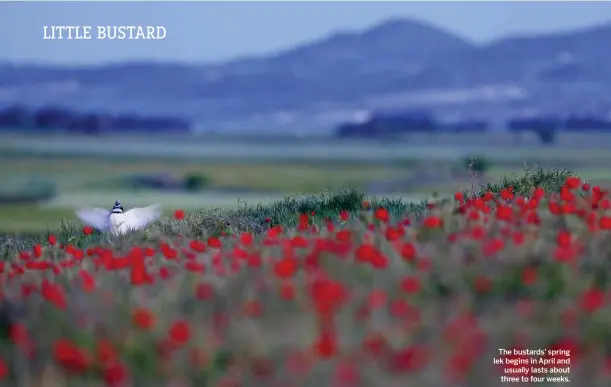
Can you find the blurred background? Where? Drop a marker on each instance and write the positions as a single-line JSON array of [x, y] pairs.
[[246, 103]]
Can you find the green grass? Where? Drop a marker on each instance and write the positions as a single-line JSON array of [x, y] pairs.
[[31, 218], [92, 181], [587, 174], [86, 173], [259, 218]]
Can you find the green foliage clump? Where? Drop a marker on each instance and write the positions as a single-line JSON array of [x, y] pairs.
[[196, 181], [477, 164], [546, 137], [34, 191]]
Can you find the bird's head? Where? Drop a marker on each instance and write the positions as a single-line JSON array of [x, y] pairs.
[[117, 208]]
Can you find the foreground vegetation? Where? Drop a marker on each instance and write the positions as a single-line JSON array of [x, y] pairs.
[[330, 290]]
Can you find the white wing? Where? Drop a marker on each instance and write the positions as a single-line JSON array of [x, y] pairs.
[[139, 218], [94, 217]]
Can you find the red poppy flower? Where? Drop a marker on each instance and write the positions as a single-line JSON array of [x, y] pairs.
[[411, 285], [326, 345], [115, 375], [592, 300], [409, 359], [433, 222], [286, 267], [4, 371], [143, 319], [70, 356], [381, 214], [204, 292], [180, 332], [408, 251]]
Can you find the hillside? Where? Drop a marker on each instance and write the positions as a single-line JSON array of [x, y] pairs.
[[397, 62]]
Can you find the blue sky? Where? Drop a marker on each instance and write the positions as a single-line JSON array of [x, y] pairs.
[[214, 31]]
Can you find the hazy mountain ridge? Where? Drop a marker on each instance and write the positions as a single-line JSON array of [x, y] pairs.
[[390, 63]]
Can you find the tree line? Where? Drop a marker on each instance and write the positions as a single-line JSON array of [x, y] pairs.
[[544, 127], [53, 118]]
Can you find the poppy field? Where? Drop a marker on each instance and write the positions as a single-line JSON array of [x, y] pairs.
[[333, 290]]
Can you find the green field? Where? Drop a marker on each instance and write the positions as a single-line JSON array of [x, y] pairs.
[[83, 171], [82, 181]]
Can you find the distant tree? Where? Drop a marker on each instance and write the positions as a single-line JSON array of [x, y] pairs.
[[467, 126], [195, 181], [389, 124], [546, 137], [51, 117], [15, 117], [545, 127], [477, 164], [585, 123]]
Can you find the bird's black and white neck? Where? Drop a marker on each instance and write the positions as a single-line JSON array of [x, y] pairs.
[[117, 208]]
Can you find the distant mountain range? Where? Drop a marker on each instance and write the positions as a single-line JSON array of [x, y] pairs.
[[399, 63]]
